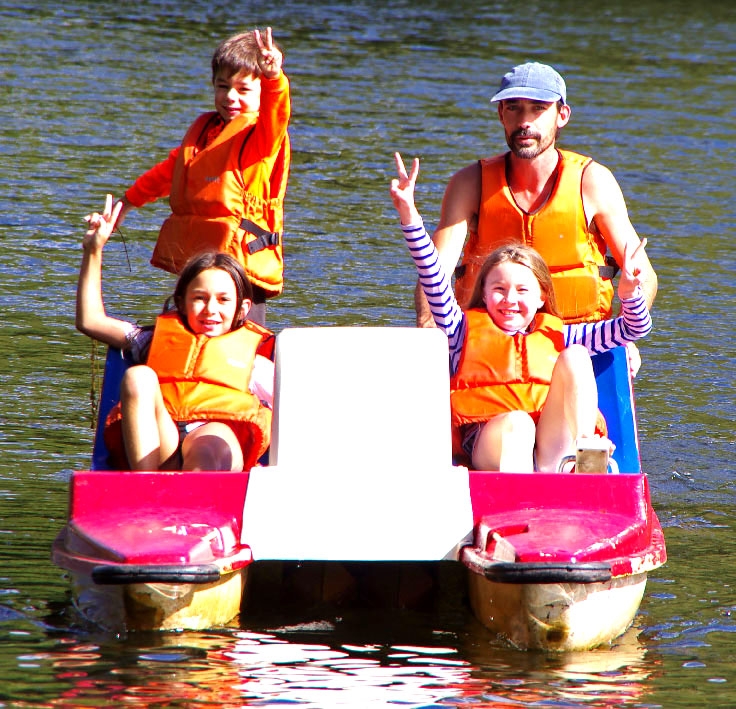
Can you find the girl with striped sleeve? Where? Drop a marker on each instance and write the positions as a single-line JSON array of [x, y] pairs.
[[523, 389]]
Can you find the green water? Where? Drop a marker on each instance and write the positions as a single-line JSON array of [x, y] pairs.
[[94, 92]]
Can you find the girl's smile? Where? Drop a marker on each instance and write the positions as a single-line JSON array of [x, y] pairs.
[[512, 296], [210, 303]]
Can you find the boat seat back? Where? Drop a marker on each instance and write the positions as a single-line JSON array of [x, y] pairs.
[[616, 403], [116, 362], [356, 396]]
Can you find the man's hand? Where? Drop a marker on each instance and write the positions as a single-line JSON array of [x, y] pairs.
[[631, 270]]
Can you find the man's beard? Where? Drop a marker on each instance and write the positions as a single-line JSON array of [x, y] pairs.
[[528, 152]]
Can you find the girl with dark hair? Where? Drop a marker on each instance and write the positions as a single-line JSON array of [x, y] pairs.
[[522, 385], [200, 392]]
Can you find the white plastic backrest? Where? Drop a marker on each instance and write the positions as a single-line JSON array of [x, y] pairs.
[[357, 395]]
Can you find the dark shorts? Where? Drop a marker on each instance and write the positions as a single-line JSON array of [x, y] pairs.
[[469, 435], [176, 460], [241, 429]]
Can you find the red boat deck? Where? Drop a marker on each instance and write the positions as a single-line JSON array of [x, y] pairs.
[[156, 518], [570, 518]]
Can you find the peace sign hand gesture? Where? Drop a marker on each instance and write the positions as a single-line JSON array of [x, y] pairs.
[[100, 226], [270, 57], [629, 279], [402, 191]]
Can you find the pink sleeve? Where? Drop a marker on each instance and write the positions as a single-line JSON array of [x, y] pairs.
[[261, 380]]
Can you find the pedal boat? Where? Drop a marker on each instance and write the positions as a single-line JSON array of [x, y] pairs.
[[360, 470]]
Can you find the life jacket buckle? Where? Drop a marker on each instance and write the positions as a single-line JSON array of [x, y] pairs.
[[263, 239]]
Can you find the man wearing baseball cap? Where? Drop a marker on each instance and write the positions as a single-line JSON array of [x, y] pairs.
[[567, 206], [533, 81]]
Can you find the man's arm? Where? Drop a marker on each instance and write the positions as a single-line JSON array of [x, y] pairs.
[[458, 214], [605, 205]]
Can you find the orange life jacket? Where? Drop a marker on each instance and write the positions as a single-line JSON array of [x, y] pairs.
[[207, 378], [229, 196], [558, 231], [499, 372]]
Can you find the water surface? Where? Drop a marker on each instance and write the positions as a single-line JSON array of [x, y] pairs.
[[95, 92]]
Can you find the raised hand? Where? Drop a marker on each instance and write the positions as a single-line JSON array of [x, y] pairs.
[[270, 58], [631, 270], [402, 190], [100, 226]]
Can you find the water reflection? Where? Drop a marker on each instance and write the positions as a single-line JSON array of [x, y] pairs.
[[237, 667]]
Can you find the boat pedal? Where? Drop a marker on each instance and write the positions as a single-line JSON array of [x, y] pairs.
[[592, 455]]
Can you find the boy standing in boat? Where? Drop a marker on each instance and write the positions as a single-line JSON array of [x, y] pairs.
[[227, 180]]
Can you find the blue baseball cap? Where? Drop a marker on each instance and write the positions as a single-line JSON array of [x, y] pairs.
[[534, 81]]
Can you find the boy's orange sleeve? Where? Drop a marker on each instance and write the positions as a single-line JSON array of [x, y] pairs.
[[154, 183], [273, 119]]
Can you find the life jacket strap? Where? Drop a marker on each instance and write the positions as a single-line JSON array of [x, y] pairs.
[[610, 269], [263, 239]]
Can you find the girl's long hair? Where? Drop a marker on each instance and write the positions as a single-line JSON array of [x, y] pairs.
[[202, 262], [525, 256]]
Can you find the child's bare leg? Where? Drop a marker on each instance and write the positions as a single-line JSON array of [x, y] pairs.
[[149, 433], [506, 444], [570, 410], [212, 446]]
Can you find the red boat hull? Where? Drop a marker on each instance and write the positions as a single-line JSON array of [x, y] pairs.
[[155, 550], [560, 561]]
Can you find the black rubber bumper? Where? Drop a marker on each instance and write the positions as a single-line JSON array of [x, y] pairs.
[[546, 572], [112, 574]]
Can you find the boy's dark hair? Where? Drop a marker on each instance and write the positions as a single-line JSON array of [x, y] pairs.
[[235, 54], [202, 262]]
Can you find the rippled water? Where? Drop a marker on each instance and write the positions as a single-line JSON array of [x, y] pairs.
[[94, 92]]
